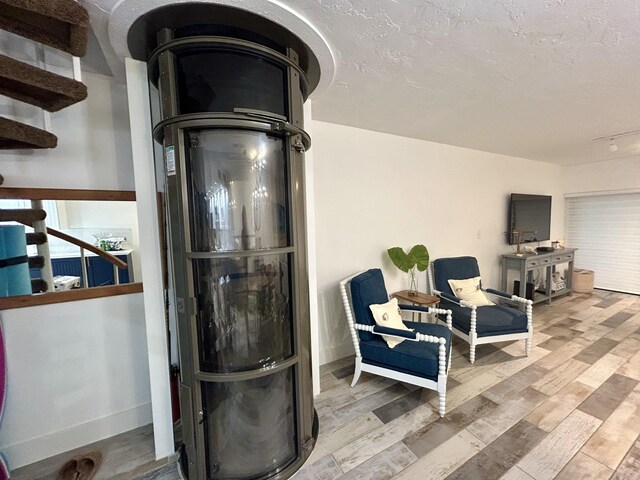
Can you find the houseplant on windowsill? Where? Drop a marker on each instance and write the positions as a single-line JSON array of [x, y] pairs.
[[416, 259]]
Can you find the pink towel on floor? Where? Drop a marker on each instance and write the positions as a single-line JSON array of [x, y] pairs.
[[4, 469], [3, 372]]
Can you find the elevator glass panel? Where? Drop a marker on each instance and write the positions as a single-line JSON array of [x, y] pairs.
[[237, 191], [250, 426], [219, 81], [244, 312]]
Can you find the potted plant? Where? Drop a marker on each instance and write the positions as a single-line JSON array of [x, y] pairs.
[[416, 259]]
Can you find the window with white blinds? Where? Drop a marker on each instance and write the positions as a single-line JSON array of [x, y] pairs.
[[606, 231]]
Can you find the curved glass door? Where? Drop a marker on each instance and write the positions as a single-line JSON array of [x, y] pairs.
[[244, 312], [253, 426], [237, 191], [238, 200]]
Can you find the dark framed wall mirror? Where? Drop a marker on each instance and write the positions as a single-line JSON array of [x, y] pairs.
[[60, 245]]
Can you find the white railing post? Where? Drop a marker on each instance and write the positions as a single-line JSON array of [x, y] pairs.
[[43, 249], [85, 276]]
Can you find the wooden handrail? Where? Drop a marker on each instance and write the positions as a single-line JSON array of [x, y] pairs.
[[68, 295], [66, 194], [113, 260], [87, 246]]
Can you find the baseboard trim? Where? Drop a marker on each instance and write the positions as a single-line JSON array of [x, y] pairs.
[[45, 446]]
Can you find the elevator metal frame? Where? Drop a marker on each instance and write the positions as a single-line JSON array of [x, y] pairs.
[[171, 133]]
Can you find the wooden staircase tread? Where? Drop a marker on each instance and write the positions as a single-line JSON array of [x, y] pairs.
[[38, 285], [22, 215], [61, 24], [36, 262], [38, 87], [36, 238], [14, 135]]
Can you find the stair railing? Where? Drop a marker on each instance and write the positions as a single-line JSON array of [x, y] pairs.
[[40, 226], [112, 259], [35, 218]]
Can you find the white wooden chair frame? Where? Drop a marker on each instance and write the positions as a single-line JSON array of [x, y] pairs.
[[361, 366], [472, 337]]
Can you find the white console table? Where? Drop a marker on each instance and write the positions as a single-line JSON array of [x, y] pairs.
[[526, 263]]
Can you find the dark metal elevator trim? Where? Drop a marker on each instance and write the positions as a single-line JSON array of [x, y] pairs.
[[239, 253], [230, 121], [261, 114], [225, 44], [246, 375], [142, 37]]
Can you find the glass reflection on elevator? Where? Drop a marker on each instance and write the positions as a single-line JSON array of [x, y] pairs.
[[255, 426], [244, 312], [239, 80], [238, 192]]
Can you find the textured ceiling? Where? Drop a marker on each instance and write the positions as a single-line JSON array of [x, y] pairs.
[[535, 79]]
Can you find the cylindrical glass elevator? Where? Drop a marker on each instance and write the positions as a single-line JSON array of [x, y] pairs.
[[231, 127]]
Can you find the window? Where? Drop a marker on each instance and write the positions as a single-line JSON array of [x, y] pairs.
[[606, 231]]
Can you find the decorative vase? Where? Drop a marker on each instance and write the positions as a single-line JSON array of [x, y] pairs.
[[413, 282]]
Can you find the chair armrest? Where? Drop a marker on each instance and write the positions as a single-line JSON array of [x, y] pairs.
[[414, 308], [421, 310], [514, 298], [404, 334], [410, 334], [446, 296], [497, 292], [456, 300]]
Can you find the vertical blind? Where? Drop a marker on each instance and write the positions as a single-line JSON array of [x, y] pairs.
[[606, 231]]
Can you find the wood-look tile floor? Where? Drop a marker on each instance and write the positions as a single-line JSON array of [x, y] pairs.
[[571, 410], [126, 456]]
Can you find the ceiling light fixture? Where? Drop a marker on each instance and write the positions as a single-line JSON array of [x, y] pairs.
[[613, 146]]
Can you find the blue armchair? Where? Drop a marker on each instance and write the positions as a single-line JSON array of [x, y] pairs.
[[423, 357], [484, 324]]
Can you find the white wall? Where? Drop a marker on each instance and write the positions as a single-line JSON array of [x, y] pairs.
[[310, 214], [78, 372], [374, 191], [612, 175], [151, 255], [94, 145]]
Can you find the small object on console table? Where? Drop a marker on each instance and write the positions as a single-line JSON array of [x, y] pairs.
[[526, 263]]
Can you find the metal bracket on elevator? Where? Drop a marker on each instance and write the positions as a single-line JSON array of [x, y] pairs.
[[297, 145], [279, 123], [309, 443], [260, 114]]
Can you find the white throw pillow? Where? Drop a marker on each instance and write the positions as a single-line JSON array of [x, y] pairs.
[[388, 315], [469, 289]]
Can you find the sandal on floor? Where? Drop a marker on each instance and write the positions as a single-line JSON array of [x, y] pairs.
[[69, 470], [88, 465]]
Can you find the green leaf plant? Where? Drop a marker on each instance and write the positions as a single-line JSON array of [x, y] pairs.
[[416, 259]]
